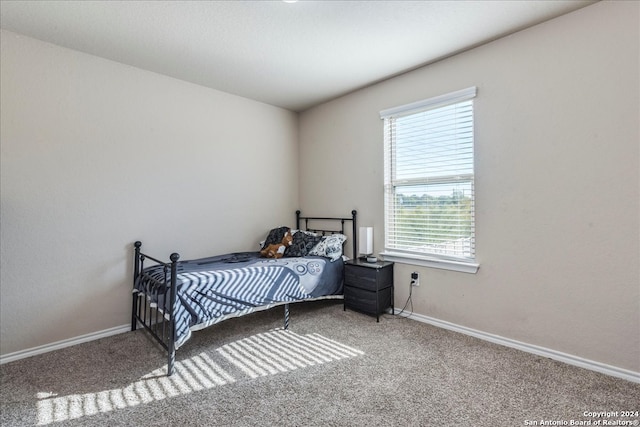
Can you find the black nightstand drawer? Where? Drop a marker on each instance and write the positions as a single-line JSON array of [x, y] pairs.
[[362, 300], [368, 278]]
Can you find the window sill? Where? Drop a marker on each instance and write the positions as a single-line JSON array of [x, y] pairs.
[[426, 261]]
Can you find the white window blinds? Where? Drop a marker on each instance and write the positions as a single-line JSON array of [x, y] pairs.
[[429, 194]]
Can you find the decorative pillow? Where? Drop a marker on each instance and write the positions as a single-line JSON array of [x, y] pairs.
[[275, 236], [304, 231], [302, 244], [330, 246]]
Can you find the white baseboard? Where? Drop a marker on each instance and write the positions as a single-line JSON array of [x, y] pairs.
[[62, 344], [530, 348]]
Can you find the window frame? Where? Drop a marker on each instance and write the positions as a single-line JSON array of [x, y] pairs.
[[427, 259]]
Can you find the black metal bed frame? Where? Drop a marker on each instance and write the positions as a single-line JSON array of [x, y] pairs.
[[161, 325]]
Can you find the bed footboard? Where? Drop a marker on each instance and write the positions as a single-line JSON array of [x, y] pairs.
[[159, 323]]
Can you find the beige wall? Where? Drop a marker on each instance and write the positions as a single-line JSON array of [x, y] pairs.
[[96, 155], [557, 183]]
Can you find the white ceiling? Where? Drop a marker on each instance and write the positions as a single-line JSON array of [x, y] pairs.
[[292, 55]]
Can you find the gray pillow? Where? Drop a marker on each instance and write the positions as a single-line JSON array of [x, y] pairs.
[[302, 244]]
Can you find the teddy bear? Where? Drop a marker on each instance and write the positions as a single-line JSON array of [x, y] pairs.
[[276, 250]]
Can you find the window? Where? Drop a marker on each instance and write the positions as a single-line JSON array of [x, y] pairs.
[[429, 182]]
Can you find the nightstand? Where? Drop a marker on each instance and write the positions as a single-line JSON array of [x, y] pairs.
[[368, 286]]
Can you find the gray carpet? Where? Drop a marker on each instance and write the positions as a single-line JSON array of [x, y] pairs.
[[332, 368]]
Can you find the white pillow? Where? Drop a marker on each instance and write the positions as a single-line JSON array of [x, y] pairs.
[[330, 246]]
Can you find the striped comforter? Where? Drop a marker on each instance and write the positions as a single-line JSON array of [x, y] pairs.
[[213, 289]]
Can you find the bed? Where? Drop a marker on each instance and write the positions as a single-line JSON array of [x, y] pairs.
[[175, 298]]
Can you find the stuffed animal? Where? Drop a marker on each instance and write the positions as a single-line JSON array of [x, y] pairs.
[[276, 250]]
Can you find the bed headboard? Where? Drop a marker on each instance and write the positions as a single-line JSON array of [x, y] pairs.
[[321, 222]]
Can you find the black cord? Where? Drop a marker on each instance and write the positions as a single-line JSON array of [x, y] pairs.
[[409, 302]]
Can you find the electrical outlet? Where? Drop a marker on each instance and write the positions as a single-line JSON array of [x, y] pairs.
[[415, 279]]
